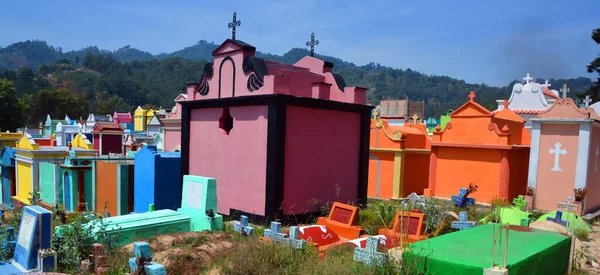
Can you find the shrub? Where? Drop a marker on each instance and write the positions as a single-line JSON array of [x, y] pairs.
[[6, 250]]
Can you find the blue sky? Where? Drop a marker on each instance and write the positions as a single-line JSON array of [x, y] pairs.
[[490, 42]]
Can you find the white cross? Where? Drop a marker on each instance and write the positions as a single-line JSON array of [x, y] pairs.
[[547, 84], [565, 89], [597, 153], [587, 101], [557, 152], [527, 78]]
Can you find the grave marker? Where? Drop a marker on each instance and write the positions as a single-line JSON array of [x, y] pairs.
[[143, 256], [567, 205], [461, 199], [35, 233], [199, 198], [558, 219], [406, 224], [414, 199], [274, 234], [520, 201], [242, 227], [294, 240], [342, 220], [369, 255], [462, 222]]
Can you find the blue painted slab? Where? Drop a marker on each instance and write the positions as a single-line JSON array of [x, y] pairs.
[[157, 180], [34, 234]]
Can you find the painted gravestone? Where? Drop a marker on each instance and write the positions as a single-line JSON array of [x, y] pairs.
[[199, 202], [463, 222], [35, 234], [369, 255]]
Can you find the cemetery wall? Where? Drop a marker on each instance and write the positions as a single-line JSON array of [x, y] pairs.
[[172, 139], [382, 164], [416, 173], [592, 201], [112, 144], [553, 186], [240, 169], [519, 171], [24, 181], [106, 186], [47, 182], [312, 169], [469, 165]]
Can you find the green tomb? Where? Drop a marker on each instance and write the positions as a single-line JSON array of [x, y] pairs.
[[530, 251], [145, 225], [199, 196]]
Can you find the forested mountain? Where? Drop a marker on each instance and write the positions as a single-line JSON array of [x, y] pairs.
[[123, 79]]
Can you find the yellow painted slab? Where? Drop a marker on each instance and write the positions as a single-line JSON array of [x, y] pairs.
[[24, 181]]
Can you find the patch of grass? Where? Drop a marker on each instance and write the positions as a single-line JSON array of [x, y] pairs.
[[377, 215], [117, 262], [582, 235]]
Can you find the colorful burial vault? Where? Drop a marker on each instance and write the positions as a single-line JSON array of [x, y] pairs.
[[113, 181], [28, 157], [172, 127], [8, 187], [275, 136], [108, 138], [398, 155], [489, 150], [564, 155], [529, 99]]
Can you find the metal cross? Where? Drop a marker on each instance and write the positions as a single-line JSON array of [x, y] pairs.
[[312, 44], [232, 25], [527, 78], [565, 89], [587, 101]]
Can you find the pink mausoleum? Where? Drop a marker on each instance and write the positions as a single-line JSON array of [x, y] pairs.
[[276, 137]]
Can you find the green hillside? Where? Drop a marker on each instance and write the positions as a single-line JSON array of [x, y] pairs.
[[123, 79]]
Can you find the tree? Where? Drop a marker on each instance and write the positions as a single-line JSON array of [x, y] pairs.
[[57, 104], [11, 108], [594, 90]]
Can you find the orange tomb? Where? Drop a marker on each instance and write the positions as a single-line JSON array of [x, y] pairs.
[[398, 155], [408, 226], [489, 150]]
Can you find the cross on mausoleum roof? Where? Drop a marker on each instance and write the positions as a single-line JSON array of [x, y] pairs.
[[528, 78], [587, 101], [233, 24], [565, 89], [312, 43]]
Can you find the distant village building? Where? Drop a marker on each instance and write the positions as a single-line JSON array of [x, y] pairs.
[[397, 112]]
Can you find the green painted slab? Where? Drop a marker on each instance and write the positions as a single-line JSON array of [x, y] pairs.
[[47, 182], [137, 226], [469, 252], [199, 195]]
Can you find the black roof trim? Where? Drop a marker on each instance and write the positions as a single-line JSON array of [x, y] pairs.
[[339, 80], [240, 43], [328, 64]]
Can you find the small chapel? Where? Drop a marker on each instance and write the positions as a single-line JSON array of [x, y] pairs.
[[275, 136]]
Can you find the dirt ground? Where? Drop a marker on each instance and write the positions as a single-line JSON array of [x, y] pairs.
[[587, 251], [175, 250]]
